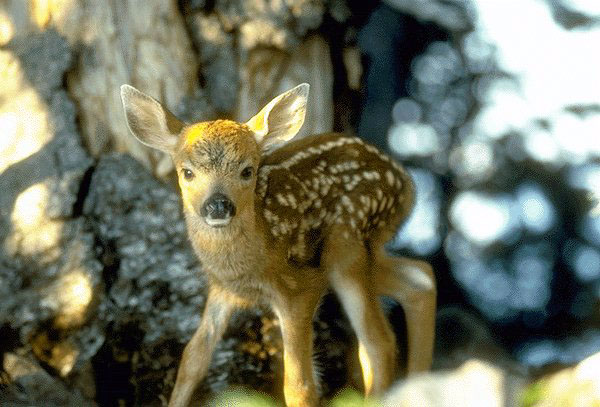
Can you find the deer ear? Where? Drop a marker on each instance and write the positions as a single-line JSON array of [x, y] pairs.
[[281, 119], [151, 123]]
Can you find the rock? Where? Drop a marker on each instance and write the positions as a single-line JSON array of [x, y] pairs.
[[469, 369], [33, 386], [475, 383], [52, 306], [43, 162], [44, 57], [15, 18], [41, 142], [42, 168], [49, 276]]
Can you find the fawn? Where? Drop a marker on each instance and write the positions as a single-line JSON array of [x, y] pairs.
[[276, 223]]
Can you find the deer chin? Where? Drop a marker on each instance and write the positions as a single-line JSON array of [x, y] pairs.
[[217, 223]]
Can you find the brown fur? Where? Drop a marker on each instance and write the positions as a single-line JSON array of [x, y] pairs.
[[315, 213]]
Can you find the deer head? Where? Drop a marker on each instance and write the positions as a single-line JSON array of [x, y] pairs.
[[216, 161]]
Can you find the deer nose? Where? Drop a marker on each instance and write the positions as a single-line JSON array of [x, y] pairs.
[[218, 207]]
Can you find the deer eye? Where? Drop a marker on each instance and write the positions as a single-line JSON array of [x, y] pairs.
[[187, 174], [246, 173]]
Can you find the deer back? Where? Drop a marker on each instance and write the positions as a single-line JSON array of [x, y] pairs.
[[309, 185]]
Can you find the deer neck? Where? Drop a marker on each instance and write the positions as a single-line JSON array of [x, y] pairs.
[[232, 252]]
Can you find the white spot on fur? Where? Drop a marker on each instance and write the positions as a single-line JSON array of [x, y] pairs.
[[270, 216], [347, 204], [371, 175], [292, 200], [371, 149], [418, 277], [373, 206], [281, 199], [389, 175], [311, 151], [382, 204]]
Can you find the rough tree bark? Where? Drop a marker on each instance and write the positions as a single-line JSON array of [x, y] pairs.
[[143, 43]]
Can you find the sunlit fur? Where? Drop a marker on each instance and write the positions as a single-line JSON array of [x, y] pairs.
[[315, 213], [217, 152]]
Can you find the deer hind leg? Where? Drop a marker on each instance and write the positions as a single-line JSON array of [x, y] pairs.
[[412, 283], [348, 270]]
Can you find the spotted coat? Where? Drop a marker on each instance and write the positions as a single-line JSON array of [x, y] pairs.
[[309, 185]]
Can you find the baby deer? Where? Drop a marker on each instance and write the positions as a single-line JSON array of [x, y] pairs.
[[276, 223]]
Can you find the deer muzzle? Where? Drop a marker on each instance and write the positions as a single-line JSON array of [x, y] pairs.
[[217, 210]]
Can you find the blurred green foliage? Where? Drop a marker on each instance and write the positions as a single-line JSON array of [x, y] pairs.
[[352, 398], [532, 395], [250, 398], [243, 398]]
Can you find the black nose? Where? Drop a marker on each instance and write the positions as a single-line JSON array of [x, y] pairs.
[[218, 206]]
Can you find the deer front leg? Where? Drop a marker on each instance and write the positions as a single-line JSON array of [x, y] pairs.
[[412, 283], [198, 352], [299, 387]]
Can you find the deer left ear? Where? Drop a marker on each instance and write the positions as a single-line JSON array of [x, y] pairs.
[[281, 119]]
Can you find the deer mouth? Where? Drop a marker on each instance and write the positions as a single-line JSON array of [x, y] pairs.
[[217, 223]]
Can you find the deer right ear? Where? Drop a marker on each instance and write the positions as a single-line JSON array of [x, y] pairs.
[[151, 123]]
